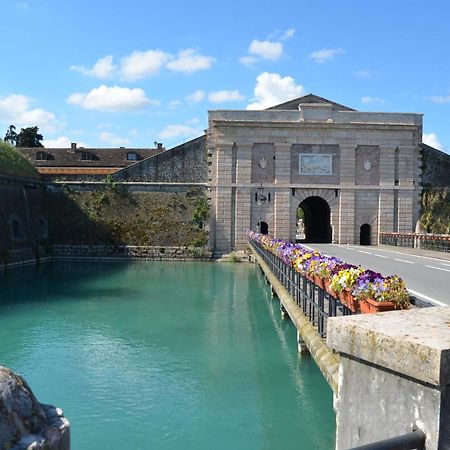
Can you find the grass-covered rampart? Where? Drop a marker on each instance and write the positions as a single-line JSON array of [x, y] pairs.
[[14, 164]]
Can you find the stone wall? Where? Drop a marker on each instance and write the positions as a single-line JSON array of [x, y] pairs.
[[435, 167], [112, 215], [154, 253], [23, 220], [184, 163]]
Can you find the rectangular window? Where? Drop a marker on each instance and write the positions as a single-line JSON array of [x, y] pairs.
[[315, 164]]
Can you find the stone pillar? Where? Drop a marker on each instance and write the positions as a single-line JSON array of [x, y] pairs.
[[394, 376], [282, 163], [347, 216], [282, 213]]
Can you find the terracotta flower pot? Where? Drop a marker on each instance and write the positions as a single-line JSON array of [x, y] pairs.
[[319, 281], [347, 299], [326, 284], [370, 306]]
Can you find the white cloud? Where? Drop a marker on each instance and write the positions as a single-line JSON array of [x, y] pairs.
[[365, 73], [269, 50], [112, 139], [320, 56], [16, 109], [61, 142], [288, 34], [173, 131], [111, 99], [272, 88], [24, 6], [196, 97], [103, 68], [371, 100], [189, 60], [440, 99], [248, 60], [225, 96], [432, 140], [140, 65], [175, 104]]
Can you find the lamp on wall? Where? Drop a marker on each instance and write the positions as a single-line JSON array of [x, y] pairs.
[[261, 198]]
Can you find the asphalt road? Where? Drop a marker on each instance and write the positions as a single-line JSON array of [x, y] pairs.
[[426, 277]]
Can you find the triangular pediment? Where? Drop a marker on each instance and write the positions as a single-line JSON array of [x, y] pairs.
[[309, 98]]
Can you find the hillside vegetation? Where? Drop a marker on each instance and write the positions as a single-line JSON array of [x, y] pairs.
[[13, 163], [436, 211]]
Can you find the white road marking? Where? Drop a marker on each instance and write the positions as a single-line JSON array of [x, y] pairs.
[[448, 265], [438, 268], [403, 260], [425, 297], [381, 256], [367, 253]]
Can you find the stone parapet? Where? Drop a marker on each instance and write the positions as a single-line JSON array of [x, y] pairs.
[[394, 376]]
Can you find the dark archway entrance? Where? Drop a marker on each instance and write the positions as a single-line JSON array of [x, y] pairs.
[[364, 234], [264, 228], [316, 217]]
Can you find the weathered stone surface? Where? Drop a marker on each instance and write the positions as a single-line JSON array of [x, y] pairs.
[[415, 343], [26, 424]]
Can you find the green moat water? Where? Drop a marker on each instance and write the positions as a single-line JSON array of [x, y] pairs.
[[163, 356]]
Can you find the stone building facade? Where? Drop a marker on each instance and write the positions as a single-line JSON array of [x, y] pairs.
[[353, 174]]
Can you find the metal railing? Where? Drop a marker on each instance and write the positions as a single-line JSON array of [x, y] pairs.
[[437, 242], [315, 302], [408, 441]]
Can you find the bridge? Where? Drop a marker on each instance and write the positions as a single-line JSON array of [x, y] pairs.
[[389, 371]]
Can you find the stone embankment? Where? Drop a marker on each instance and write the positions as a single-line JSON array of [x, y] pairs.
[[26, 424], [132, 252]]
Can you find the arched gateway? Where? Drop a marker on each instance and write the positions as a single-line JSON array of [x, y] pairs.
[[316, 220], [342, 167]]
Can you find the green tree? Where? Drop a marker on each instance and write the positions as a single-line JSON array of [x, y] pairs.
[[11, 136], [29, 137]]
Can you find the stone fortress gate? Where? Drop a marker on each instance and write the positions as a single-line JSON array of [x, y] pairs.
[[352, 174]]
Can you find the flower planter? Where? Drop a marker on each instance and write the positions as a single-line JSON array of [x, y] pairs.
[[326, 285], [319, 281], [347, 299], [370, 306]]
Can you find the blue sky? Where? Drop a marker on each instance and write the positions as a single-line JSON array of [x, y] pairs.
[[105, 73]]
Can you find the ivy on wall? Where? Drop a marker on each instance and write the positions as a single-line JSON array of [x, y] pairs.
[[114, 216]]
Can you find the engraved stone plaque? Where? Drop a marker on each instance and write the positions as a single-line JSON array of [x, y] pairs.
[[314, 164]]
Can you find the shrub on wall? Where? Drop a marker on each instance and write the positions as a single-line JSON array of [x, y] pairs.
[[436, 211], [14, 164]]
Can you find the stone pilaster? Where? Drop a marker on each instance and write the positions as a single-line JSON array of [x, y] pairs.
[[282, 213], [387, 165], [406, 206], [243, 217], [408, 161], [386, 211], [347, 216], [223, 218], [282, 162], [224, 162], [244, 163], [348, 161]]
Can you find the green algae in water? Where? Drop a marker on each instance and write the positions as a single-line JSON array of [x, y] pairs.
[[163, 356]]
